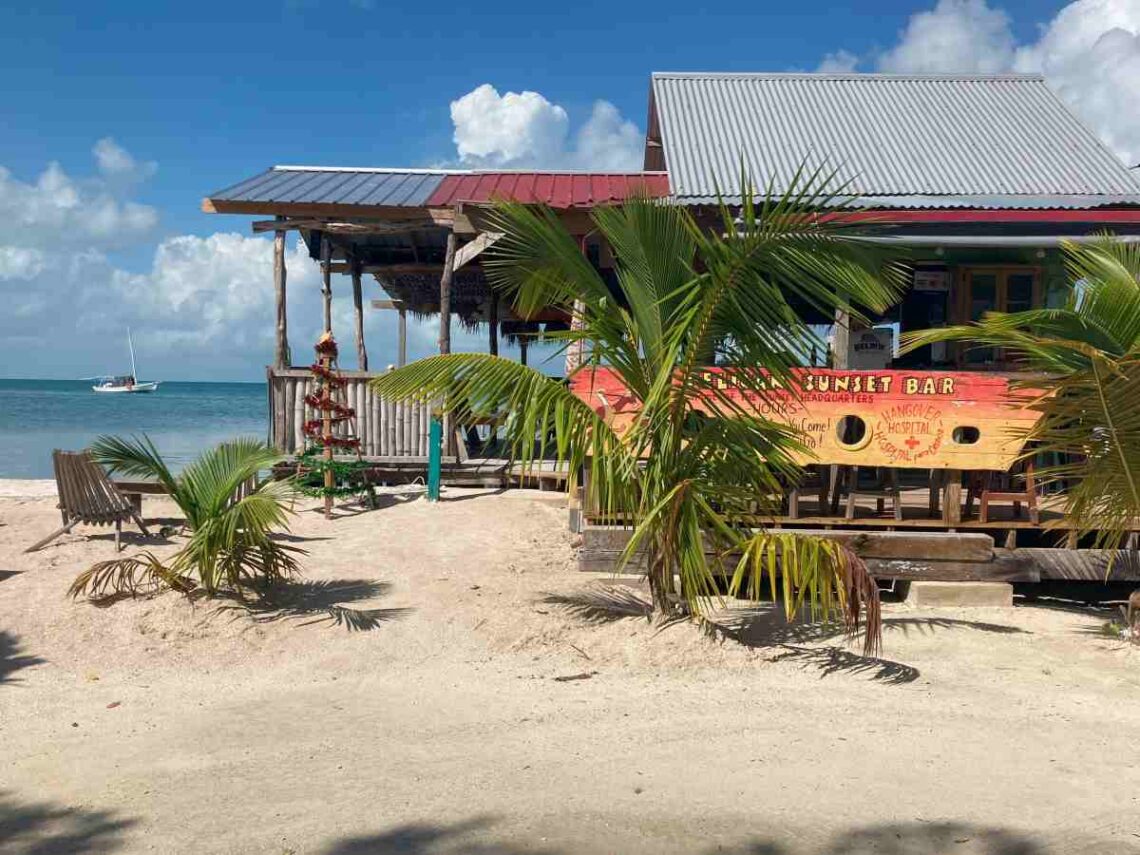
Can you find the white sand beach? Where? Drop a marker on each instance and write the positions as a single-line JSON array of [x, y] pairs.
[[496, 700]]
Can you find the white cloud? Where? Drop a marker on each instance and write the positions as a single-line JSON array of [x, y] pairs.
[[20, 262], [115, 162], [609, 142], [838, 62], [526, 130], [955, 36], [1089, 53], [56, 209]]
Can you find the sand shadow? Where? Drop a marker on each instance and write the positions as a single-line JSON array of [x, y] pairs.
[[916, 838], [319, 602], [8, 574], [467, 497], [460, 838], [602, 605], [12, 660], [925, 625], [45, 828], [360, 505]]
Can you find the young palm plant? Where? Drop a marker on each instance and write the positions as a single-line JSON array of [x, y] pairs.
[[1085, 356], [697, 459], [229, 515]]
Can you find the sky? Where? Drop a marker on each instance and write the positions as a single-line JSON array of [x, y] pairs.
[[118, 118]]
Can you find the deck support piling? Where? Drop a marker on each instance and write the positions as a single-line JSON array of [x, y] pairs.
[[281, 357], [493, 313], [445, 296], [402, 352], [358, 308], [326, 280], [445, 325], [522, 351]]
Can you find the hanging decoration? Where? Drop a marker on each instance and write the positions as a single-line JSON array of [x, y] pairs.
[[319, 472]]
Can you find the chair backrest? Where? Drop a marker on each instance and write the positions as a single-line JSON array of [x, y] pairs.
[[85, 491]]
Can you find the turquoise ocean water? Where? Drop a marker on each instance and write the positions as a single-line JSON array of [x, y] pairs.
[[182, 419]]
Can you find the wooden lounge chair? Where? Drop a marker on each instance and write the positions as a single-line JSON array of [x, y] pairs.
[[87, 495]]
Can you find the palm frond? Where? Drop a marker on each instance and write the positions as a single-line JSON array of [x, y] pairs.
[[545, 417], [135, 456], [135, 576], [1091, 420], [823, 575]]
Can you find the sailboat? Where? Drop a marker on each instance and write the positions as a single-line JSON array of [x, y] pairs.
[[125, 383]]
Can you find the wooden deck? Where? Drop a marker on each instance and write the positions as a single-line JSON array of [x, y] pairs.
[[936, 556]]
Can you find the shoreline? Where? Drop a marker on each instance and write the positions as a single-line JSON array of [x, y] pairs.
[[27, 488]]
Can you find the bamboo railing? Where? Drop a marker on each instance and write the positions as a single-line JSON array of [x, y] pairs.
[[385, 428]]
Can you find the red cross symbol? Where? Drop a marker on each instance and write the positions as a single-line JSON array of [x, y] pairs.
[[911, 443]]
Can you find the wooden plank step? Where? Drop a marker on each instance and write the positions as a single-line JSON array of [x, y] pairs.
[[935, 545]]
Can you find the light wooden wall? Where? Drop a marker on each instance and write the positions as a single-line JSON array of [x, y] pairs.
[[385, 428]]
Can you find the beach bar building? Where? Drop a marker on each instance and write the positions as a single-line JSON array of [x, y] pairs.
[[977, 179]]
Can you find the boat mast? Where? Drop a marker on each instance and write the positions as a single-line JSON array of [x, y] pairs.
[[131, 345]]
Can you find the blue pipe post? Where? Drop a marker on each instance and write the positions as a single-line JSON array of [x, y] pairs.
[[435, 459]]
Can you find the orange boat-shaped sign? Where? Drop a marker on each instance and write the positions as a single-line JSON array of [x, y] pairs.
[[903, 419]]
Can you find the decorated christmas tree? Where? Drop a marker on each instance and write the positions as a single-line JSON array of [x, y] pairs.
[[319, 471]]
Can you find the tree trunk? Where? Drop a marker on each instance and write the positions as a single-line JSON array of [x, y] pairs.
[[661, 588]]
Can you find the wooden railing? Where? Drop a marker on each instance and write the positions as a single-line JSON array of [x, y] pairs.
[[385, 428]]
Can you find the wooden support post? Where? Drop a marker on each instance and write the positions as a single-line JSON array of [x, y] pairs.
[[839, 360], [326, 280], [493, 312], [445, 324], [402, 352], [445, 296], [952, 497], [358, 307], [522, 350], [281, 351]]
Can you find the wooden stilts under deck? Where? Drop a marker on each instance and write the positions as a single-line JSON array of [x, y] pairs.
[[445, 296], [326, 279], [358, 308], [402, 352], [281, 351], [522, 350], [493, 311]]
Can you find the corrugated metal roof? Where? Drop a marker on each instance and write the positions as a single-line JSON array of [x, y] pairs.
[[437, 187], [557, 189], [899, 141], [335, 186]]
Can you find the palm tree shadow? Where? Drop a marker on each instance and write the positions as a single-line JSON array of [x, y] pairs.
[[11, 660], [602, 604], [319, 602], [916, 838], [44, 828], [765, 625], [428, 839]]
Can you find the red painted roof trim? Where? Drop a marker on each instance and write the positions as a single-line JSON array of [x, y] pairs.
[[974, 215], [557, 189]]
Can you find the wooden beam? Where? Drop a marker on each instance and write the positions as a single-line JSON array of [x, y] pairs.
[[388, 304], [358, 315], [523, 343], [471, 250], [281, 350], [445, 296], [402, 344], [391, 269], [313, 224], [326, 280], [493, 324]]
